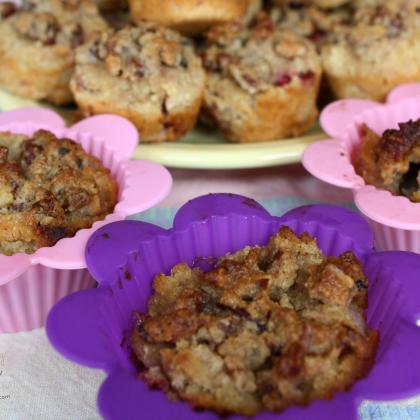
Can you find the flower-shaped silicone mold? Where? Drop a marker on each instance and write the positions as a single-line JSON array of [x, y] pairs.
[[30, 284], [92, 327], [396, 220]]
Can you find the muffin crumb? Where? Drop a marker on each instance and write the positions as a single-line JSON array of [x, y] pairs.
[[49, 189], [267, 328]]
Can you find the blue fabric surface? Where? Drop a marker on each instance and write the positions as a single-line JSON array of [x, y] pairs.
[[163, 216], [407, 410]]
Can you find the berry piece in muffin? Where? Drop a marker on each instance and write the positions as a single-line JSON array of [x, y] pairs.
[[392, 161], [311, 21], [376, 52], [262, 83], [148, 73], [49, 189], [267, 328], [37, 42], [192, 17]]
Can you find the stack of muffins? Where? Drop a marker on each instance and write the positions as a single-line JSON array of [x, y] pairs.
[[252, 69]]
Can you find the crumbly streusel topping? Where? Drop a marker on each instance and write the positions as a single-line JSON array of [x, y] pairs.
[[392, 161], [269, 327], [142, 51], [312, 22], [49, 188], [56, 22], [371, 25], [259, 57]]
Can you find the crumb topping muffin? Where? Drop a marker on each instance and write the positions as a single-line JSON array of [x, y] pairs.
[[262, 82], [49, 189], [269, 327], [392, 161], [311, 21], [192, 17], [375, 52], [148, 73], [37, 42]]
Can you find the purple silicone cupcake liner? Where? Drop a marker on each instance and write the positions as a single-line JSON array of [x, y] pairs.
[[92, 327]]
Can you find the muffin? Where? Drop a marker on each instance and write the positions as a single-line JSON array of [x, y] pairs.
[[392, 161], [312, 22], [148, 74], [37, 43], [192, 17], [262, 82], [375, 53], [49, 189], [267, 328]]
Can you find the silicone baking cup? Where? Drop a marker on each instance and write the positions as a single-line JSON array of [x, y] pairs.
[[394, 219], [92, 327], [31, 284]]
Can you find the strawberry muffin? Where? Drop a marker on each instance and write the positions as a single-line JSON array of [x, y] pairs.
[[37, 43], [376, 52], [262, 82], [148, 74]]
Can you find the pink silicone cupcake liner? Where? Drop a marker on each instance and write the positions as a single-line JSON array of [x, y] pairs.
[[394, 219], [31, 284], [92, 327]]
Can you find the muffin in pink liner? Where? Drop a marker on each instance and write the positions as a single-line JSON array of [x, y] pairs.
[[30, 284], [395, 219]]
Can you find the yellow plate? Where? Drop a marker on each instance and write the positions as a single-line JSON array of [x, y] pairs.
[[202, 148]]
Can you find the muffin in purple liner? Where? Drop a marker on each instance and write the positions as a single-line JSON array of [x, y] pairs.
[[92, 327]]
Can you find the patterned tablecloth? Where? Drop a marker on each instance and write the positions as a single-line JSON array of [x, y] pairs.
[[36, 383]]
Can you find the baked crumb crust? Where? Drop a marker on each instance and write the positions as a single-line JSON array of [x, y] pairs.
[[37, 42], [148, 74], [49, 189], [269, 327], [392, 161], [262, 82], [375, 52]]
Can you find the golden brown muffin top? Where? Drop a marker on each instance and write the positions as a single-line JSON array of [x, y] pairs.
[[261, 56], [54, 22], [141, 51], [49, 188], [267, 328], [391, 161], [381, 23], [311, 21]]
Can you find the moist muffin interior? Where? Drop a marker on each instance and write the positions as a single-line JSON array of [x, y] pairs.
[[267, 328], [392, 161], [49, 189]]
